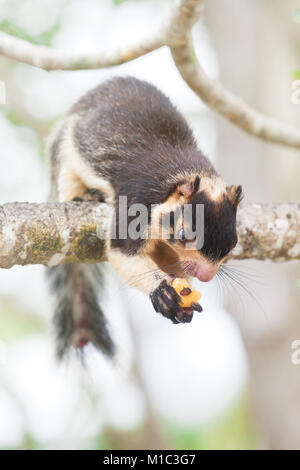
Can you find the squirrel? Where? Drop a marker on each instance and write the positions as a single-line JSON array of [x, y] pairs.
[[126, 139]]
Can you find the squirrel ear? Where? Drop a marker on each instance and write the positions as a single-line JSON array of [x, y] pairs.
[[188, 189], [235, 194]]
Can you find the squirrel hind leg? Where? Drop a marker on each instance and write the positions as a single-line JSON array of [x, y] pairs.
[[78, 318], [91, 194]]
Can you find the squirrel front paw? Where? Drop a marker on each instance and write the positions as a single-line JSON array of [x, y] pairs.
[[167, 301]]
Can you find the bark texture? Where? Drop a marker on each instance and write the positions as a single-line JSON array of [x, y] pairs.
[[75, 232]]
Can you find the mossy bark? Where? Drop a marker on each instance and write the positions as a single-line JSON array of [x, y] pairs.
[[55, 233]]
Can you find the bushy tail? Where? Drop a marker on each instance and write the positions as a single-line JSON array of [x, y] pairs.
[[78, 318]]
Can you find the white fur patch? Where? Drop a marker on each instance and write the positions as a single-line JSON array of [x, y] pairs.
[[75, 175]]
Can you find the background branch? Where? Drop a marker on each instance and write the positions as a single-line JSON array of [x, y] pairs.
[[175, 33], [46, 58], [226, 103], [53, 233], [181, 20]]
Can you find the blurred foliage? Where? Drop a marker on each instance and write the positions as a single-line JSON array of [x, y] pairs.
[[45, 38], [29, 443], [297, 15], [12, 116], [17, 120], [297, 74], [15, 322], [297, 18], [233, 430], [119, 2]]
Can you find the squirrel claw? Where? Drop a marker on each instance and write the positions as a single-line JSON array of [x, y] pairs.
[[166, 300], [197, 307]]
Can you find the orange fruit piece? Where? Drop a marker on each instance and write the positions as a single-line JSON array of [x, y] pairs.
[[188, 296]]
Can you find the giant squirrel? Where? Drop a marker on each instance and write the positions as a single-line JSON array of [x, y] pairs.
[[125, 138]]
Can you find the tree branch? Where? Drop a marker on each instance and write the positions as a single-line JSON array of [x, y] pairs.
[[59, 233], [175, 33], [229, 105], [52, 59], [268, 231], [54, 233], [182, 18], [51, 233]]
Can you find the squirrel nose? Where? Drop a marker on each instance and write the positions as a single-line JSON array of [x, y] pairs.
[[205, 272]]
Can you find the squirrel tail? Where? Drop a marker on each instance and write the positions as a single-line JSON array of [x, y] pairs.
[[78, 318]]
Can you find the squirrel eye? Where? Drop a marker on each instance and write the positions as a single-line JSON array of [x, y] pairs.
[[181, 235]]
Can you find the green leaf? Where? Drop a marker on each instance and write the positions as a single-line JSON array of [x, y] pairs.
[[298, 284]]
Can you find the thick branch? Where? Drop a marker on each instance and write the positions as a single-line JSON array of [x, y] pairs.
[[268, 231], [54, 233], [51, 233]]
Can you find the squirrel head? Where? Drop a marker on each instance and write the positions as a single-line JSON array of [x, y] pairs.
[[198, 223]]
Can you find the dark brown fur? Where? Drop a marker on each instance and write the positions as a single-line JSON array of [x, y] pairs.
[[128, 134], [145, 139], [131, 133]]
